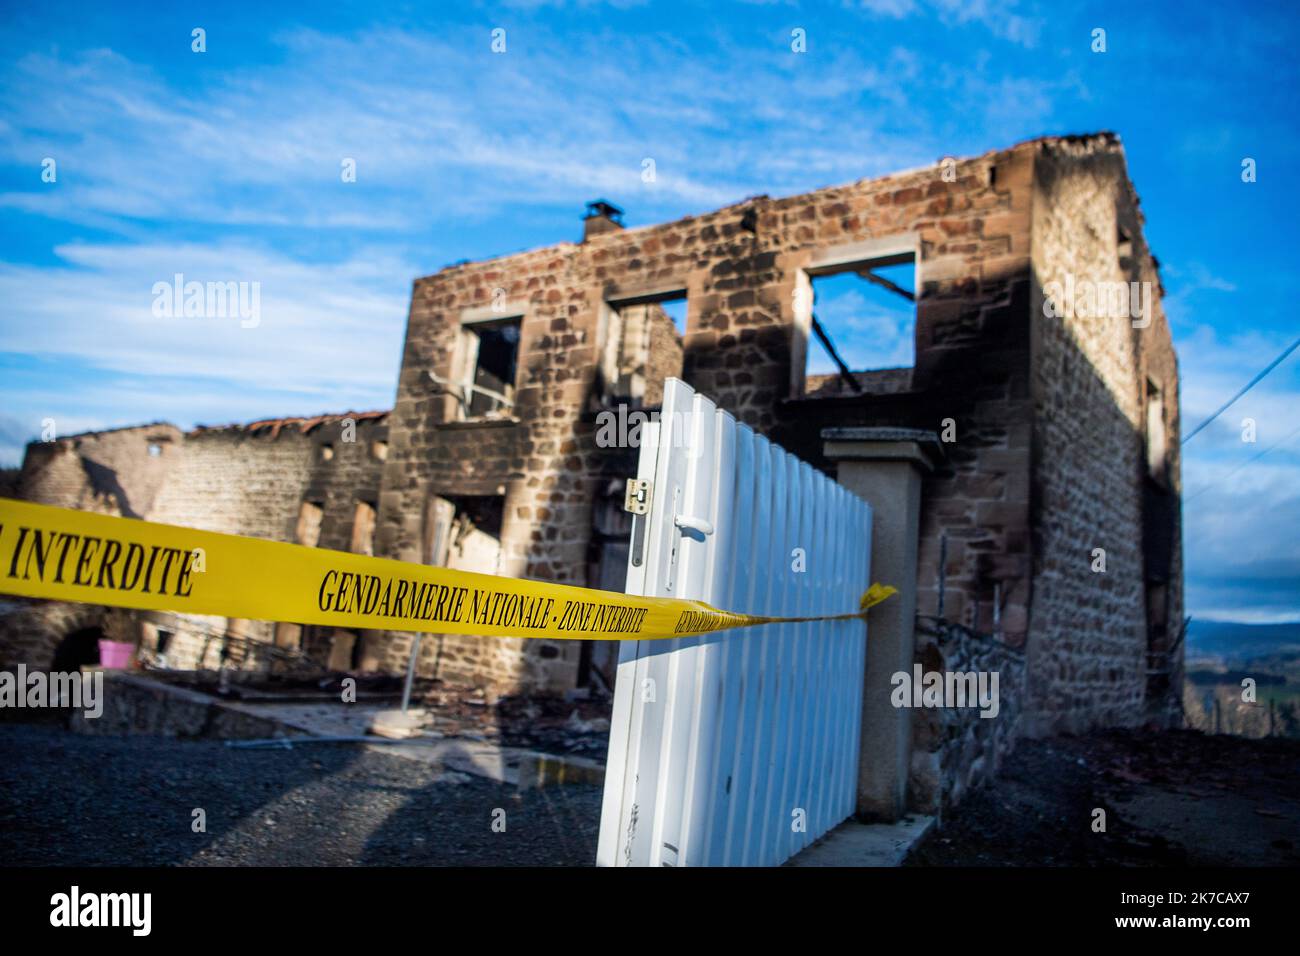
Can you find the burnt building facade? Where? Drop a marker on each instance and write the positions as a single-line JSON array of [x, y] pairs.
[[1054, 524], [1044, 368]]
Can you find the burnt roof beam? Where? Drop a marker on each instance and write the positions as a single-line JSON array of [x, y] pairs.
[[886, 284], [825, 340]]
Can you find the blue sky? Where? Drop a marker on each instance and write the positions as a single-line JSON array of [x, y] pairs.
[[225, 165]]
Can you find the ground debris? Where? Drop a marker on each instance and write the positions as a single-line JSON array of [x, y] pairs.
[[1170, 798]]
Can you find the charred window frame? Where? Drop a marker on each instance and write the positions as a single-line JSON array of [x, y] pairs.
[[812, 336], [449, 519], [489, 365], [636, 332]]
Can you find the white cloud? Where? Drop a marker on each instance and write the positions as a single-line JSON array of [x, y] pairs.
[[442, 129], [1214, 366], [1235, 502], [329, 332], [1000, 17]]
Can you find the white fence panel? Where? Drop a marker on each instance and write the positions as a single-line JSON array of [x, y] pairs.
[[738, 748]]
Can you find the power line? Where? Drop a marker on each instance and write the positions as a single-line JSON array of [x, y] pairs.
[[1249, 385], [1248, 461]]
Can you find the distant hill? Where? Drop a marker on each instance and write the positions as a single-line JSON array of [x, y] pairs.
[[1229, 639]]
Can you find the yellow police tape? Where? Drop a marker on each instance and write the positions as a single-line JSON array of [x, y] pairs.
[[67, 555]]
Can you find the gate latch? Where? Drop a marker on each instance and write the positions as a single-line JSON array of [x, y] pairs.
[[637, 500], [691, 523]]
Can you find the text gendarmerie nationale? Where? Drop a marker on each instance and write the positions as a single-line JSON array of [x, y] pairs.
[[85, 560], [347, 592]]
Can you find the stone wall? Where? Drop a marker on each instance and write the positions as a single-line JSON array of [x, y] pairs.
[[31, 631], [1088, 646], [664, 356], [539, 458], [740, 267], [955, 750], [118, 472], [1046, 423], [254, 479], [239, 480]]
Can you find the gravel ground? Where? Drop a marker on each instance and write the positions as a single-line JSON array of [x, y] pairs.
[[67, 799]]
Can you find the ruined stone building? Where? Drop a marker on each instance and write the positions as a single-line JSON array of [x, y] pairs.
[[1052, 398], [314, 481]]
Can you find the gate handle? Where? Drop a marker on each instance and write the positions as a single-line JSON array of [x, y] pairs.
[[687, 523]]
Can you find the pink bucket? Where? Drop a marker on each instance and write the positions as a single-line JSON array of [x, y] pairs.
[[116, 654]]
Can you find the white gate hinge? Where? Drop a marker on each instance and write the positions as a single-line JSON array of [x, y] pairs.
[[637, 500]]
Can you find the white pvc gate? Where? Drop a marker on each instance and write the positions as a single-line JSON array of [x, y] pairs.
[[738, 748]]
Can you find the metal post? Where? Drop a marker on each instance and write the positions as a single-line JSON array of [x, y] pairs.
[[410, 674]]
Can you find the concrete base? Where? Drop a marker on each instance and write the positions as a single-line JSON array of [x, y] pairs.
[[399, 724], [862, 844], [136, 704], [885, 466]]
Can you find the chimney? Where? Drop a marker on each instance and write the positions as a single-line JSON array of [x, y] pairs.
[[601, 217]]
